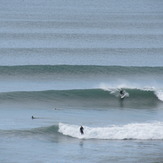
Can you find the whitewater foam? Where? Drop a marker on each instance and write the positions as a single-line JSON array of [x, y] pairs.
[[159, 94], [145, 131], [109, 87], [115, 89]]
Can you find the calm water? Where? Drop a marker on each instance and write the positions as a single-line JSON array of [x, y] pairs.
[[64, 62]]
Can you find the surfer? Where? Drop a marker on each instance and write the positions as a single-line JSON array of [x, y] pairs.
[[121, 92], [81, 130], [34, 117]]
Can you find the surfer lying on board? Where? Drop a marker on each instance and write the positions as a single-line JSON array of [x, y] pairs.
[[82, 130], [34, 117]]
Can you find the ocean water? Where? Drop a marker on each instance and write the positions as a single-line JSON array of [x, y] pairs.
[[64, 62]]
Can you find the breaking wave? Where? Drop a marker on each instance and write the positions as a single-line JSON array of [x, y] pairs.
[[132, 131], [145, 131], [84, 94]]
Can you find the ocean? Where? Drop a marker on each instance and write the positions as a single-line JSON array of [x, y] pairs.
[[64, 63]]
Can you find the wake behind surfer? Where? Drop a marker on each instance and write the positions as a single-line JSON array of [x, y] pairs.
[[82, 130]]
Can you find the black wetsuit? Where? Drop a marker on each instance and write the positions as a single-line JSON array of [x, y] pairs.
[[82, 130], [121, 92]]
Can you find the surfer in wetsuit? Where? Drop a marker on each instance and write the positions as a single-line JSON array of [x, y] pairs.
[[34, 117], [82, 130], [121, 92]]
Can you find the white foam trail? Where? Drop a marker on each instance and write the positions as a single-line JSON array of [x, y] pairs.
[[144, 131]]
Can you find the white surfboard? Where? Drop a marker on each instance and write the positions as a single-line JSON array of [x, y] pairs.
[[122, 96]]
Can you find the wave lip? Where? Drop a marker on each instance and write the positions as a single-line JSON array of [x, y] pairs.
[[133, 131]]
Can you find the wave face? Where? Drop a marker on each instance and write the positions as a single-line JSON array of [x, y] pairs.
[[31, 132], [86, 98], [145, 131]]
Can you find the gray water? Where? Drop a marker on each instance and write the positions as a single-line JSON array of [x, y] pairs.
[[64, 62]]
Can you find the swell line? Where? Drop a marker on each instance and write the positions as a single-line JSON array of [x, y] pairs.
[[78, 69]]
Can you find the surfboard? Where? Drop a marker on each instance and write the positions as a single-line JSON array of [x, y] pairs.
[[122, 96]]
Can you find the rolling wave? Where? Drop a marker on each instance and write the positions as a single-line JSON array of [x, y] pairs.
[[70, 77], [86, 98], [145, 131], [81, 94], [34, 132], [132, 131], [79, 69]]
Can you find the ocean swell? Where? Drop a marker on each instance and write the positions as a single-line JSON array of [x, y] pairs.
[[83, 94], [85, 98], [79, 69]]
